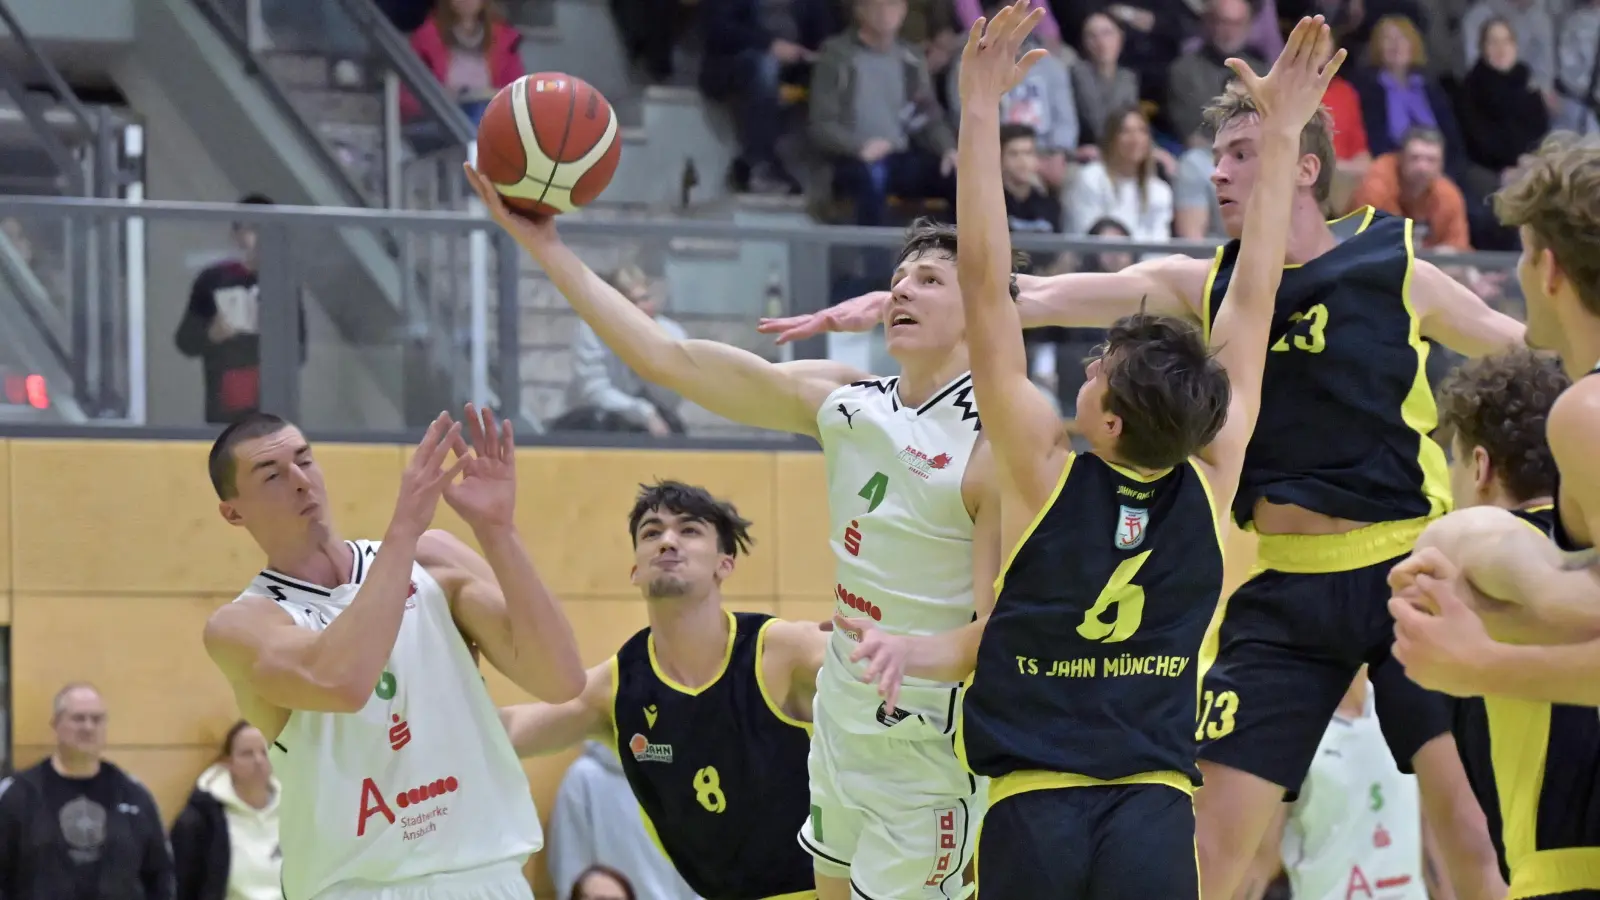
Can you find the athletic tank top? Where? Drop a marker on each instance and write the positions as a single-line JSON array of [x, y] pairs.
[[1547, 774], [1089, 663], [720, 771], [422, 780], [901, 537], [1346, 408], [1356, 829]]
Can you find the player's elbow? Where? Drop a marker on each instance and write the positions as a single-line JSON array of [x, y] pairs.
[[565, 685], [293, 685]]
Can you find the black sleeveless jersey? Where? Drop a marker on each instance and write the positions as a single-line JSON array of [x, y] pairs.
[[1471, 727], [720, 772], [1346, 408], [1088, 665]]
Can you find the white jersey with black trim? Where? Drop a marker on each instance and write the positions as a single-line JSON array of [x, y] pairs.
[[422, 781], [901, 536], [1356, 829]]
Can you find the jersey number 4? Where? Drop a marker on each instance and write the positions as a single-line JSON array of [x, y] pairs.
[[1312, 339]]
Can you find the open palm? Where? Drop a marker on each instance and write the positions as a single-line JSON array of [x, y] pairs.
[[486, 495], [1291, 93]]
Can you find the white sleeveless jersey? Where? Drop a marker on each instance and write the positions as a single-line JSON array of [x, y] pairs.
[[901, 536], [1356, 830], [421, 781]]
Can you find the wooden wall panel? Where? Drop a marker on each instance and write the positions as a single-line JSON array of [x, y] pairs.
[[144, 654], [5, 516], [805, 563]]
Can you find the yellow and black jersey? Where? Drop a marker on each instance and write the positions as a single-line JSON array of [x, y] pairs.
[[719, 771], [1346, 408], [1089, 665]]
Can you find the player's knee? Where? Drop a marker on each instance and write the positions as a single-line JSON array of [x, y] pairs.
[[1232, 812], [833, 882]]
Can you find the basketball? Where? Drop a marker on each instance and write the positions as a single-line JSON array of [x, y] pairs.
[[549, 143]]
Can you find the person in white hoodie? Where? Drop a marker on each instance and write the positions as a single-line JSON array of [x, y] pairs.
[[225, 842]]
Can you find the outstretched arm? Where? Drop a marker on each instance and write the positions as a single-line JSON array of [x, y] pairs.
[[1459, 319], [539, 729], [729, 381], [1018, 421], [1287, 98]]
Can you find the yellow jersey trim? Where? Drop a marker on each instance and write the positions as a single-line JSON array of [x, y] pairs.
[[1418, 410], [1044, 509], [616, 679], [1135, 475], [1315, 554], [766, 695], [1210, 645], [727, 655], [1013, 783], [1205, 297]]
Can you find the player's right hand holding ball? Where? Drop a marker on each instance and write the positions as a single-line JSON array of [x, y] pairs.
[[884, 653], [532, 232], [424, 480]]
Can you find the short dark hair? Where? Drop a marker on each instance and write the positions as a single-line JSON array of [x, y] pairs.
[[1500, 403], [697, 504], [1016, 131], [1424, 134], [221, 463], [1166, 385], [601, 869], [232, 736], [927, 236]]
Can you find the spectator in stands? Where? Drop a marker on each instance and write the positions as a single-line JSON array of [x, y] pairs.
[[1195, 213], [930, 26], [77, 826], [1100, 83], [604, 394], [1350, 146], [1048, 30], [1152, 37], [1534, 28], [1123, 183], [1411, 182], [603, 883], [221, 327], [1057, 354], [1503, 114], [1578, 68], [1042, 101], [1398, 95], [471, 50], [1196, 77], [225, 842], [1029, 207], [874, 114], [752, 48], [596, 818]]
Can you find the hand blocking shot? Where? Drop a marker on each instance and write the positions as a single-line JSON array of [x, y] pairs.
[[357, 659]]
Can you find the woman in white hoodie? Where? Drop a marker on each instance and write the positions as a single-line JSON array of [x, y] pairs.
[[225, 842]]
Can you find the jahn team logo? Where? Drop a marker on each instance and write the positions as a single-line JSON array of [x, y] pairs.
[[644, 751], [1131, 525]]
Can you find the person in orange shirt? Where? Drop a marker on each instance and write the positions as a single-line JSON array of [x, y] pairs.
[[1411, 182]]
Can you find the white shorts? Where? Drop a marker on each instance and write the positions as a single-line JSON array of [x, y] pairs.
[[499, 881], [897, 817]]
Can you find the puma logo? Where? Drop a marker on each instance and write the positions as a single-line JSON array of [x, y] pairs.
[[848, 415], [650, 716]]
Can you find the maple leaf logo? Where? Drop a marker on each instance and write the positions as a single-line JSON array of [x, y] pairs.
[[940, 461]]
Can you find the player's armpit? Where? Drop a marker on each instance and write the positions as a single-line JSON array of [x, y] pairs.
[[539, 729], [1457, 318], [263, 652], [988, 552], [1098, 300], [798, 647]]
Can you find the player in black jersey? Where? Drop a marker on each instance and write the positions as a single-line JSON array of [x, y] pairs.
[[1084, 678], [709, 710], [1486, 607]]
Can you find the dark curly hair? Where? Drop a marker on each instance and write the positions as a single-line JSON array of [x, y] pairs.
[[928, 237], [1166, 385], [696, 504], [1500, 403]]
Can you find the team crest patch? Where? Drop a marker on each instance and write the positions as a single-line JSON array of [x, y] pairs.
[[644, 751], [1131, 524]]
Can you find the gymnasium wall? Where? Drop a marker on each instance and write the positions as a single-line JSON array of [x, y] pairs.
[[112, 555]]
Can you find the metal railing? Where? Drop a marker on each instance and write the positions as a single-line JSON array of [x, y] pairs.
[[509, 333]]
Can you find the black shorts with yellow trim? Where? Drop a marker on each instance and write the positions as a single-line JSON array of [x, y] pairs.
[[1129, 840], [1291, 639]]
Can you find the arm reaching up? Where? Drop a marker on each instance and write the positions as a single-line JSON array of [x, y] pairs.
[[726, 380], [1285, 99]]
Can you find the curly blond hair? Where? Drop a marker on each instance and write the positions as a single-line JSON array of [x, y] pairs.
[[1555, 193]]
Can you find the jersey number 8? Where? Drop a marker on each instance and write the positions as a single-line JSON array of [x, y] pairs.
[[708, 790], [1313, 340]]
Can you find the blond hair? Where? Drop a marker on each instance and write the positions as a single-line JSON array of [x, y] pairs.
[[1555, 193], [1407, 29], [1316, 139]]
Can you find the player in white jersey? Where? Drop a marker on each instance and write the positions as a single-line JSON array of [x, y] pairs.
[[357, 659], [1356, 828], [910, 485]]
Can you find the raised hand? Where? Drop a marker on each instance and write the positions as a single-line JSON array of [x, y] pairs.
[[530, 231], [862, 313], [1291, 93], [425, 478], [989, 64], [486, 496]]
